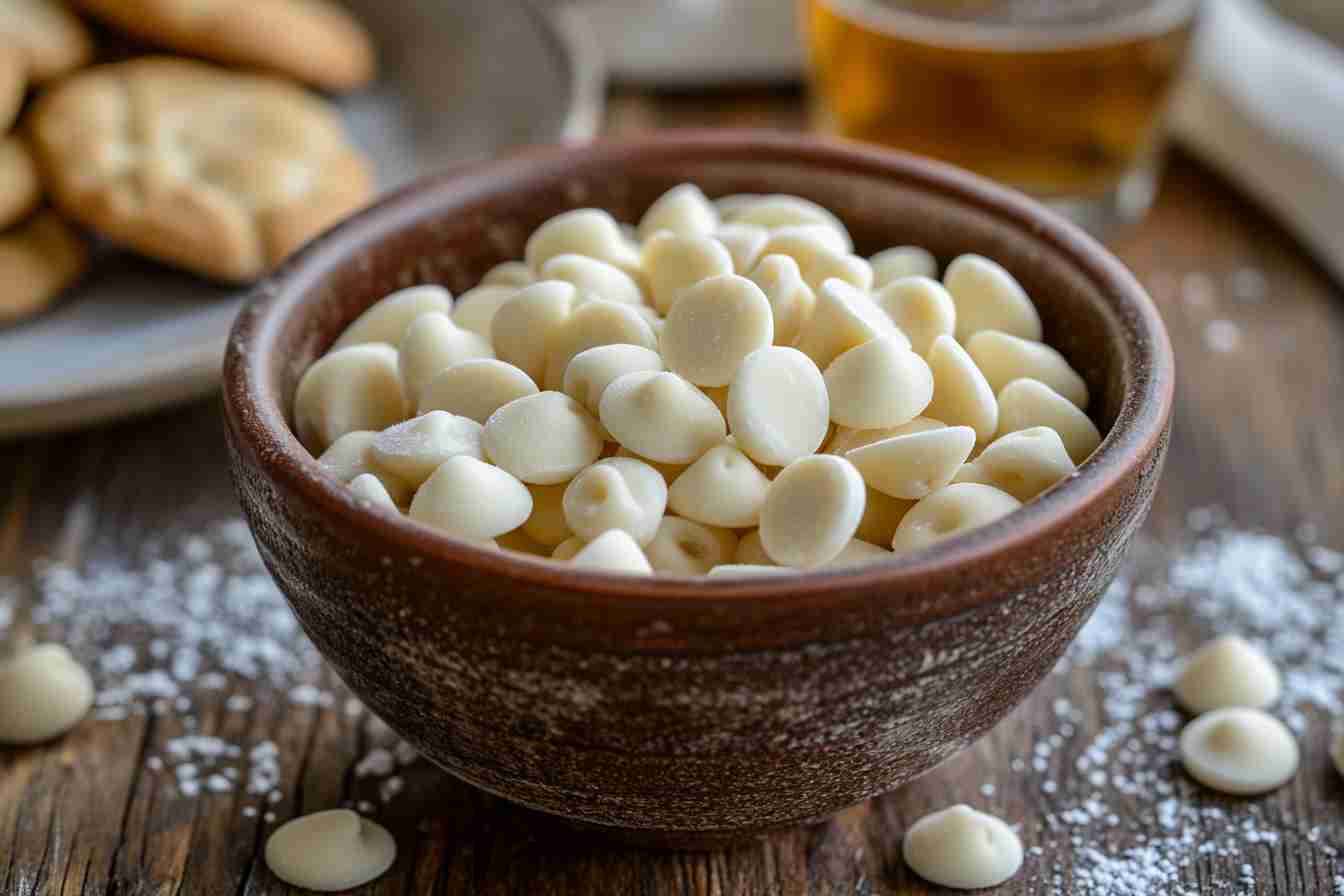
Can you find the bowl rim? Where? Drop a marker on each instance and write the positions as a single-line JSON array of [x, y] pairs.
[[255, 416]]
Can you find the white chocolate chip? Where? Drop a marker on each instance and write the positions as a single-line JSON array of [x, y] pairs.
[[370, 488], [962, 849], [1003, 358], [858, 553], [683, 210], [44, 693], [508, 273], [961, 394], [613, 551], [922, 308], [585, 231], [616, 493], [661, 416], [902, 261], [592, 370], [330, 851], [432, 344], [802, 241], [1239, 750], [812, 510], [348, 456], [592, 324], [670, 472], [546, 525], [1026, 403], [475, 388], [475, 309], [819, 257], [989, 298], [745, 571], [1023, 463], [916, 465], [672, 263], [777, 211], [778, 407], [523, 325], [950, 511], [844, 317], [351, 456], [471, 499], [387, 319], [751, 552], [881, 383], [542, 439], [355, 388], [412, 450], [688, 548], [791, 300], [593, 279], [735, 204], [882, 515], [712, 326], [744, 243], [846, 439], [723, 488], [651, 317], [566, 549], [1225, 672]]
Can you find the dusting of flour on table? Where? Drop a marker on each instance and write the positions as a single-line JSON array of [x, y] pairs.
[[1287, 596], [211, 621]]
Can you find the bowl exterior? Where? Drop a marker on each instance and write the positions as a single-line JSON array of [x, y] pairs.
[[684, 746]]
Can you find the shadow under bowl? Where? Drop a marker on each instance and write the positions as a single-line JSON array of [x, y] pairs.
[[669, 710]]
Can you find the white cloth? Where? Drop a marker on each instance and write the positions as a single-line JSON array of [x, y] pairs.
[[1264, 104]]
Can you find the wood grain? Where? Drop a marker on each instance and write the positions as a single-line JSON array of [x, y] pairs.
[[1259, 431]]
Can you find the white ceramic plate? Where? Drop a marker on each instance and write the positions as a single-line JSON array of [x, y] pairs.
[[459, 78], [691, 43]]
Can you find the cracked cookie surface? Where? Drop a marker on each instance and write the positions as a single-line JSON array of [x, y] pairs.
[[20, 189], [314, 41], [40, 258], [13, 81], [50, 37], [217, 172]]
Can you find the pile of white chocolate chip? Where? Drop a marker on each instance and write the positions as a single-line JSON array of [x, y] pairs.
[[726, 390]]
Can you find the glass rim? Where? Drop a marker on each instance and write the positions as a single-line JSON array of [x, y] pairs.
[[1155, 18]]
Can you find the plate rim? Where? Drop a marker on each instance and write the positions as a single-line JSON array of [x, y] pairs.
[[193, 371]]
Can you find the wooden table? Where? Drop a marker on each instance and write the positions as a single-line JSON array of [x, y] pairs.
[[1259, 431]]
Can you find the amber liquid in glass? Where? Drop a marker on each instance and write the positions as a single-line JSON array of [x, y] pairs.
[[1061, 98]]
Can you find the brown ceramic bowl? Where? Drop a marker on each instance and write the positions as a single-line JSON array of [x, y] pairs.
[[674, 710]]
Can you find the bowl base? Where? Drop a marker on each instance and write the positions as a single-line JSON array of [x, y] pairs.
[[559, 826]]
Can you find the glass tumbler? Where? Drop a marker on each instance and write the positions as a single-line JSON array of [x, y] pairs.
[[1063, 99]]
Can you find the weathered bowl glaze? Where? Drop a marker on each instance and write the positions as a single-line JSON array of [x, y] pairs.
[[672, 710]]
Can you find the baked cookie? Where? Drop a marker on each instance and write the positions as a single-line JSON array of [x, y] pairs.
[[40, 258], [218, 172], [13, 80], [52, 38], [20, 188], [313, 40]]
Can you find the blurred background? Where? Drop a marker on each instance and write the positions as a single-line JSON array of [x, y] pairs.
[[1076, 102]]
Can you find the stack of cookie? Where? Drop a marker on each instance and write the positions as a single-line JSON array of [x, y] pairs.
[[221, 171], [40, 254]]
